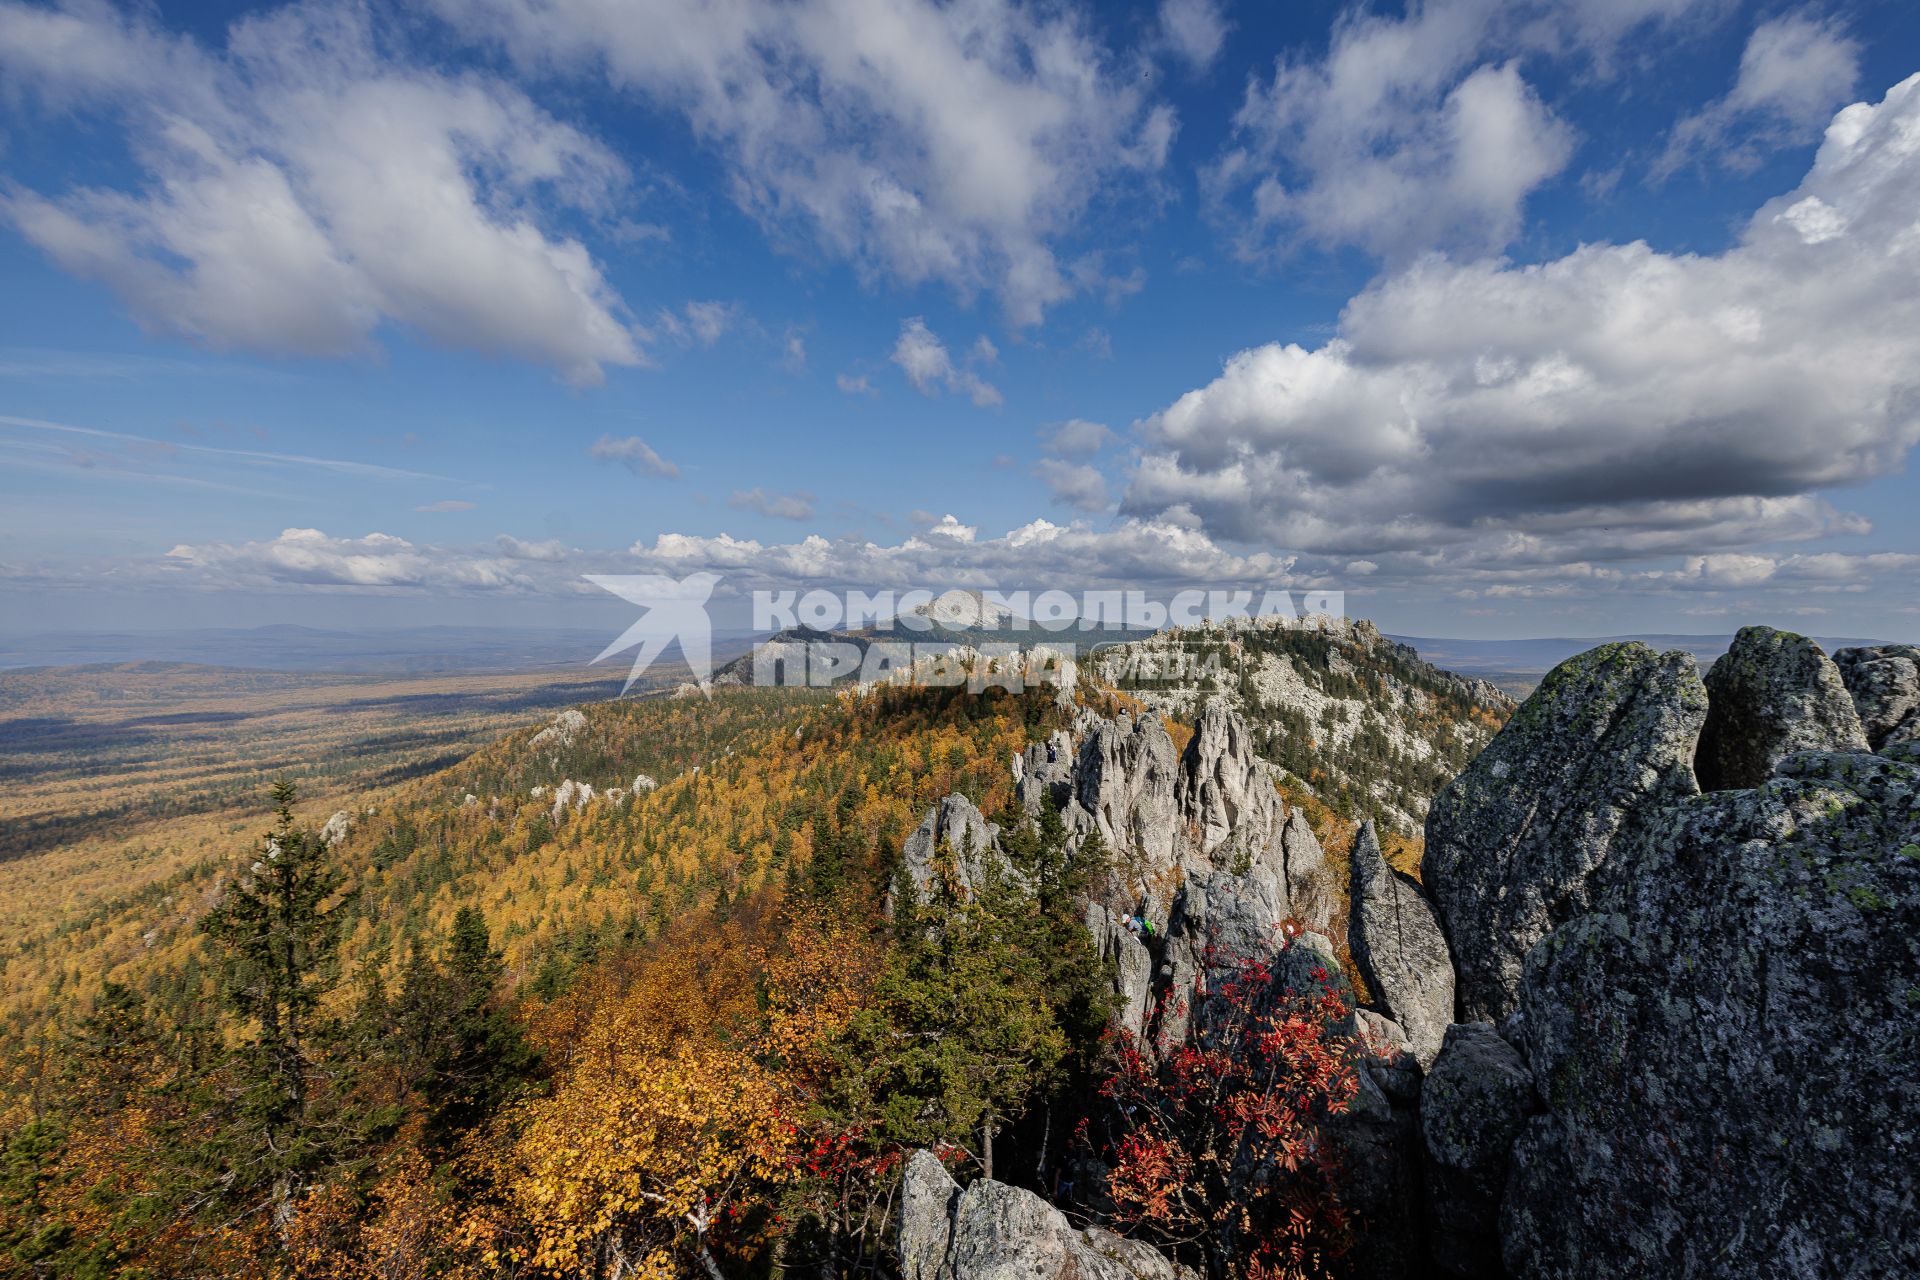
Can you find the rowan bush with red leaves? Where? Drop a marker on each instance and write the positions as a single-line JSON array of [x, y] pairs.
[[1214, 1142]]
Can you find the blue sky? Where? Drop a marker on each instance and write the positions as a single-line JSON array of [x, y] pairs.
[[1507, 319]]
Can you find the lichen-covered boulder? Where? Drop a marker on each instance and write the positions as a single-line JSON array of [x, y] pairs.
[[1770, 695], [992, 1231], [928, 1195], [1885, 685], [1728, 1045], [1472, 1104], [1514, 840], [1398, 948]]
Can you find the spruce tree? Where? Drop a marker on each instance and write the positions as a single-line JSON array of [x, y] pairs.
[[483, 1055], [276, 936]]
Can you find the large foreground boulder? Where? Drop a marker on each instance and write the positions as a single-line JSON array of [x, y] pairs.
[[1885, 684], [1472, 1105], [1515, 839], [992, 1231], [1728, 1045], [1770, 695], [1398, 948]]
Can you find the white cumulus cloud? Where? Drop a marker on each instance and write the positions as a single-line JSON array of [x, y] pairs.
[[1416, 131], [300, 190], [930, 367], [1614, 404], [924, 142], [1794, 72]]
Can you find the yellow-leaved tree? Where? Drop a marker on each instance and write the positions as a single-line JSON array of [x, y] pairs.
[[682, 1109]]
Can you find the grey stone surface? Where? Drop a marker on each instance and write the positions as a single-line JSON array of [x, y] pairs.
[[1472, 1105], [1375, 1145], [1885, 685], [1129, 968], [1398, 948], [1224, 785], [1514, 840], [1044, 773], [1728, 1045], [928, 1197], [952, 839], [1124, 786], [1387, 1055], [1125, 779], [992, 1231], [1309, 880], [1770, 695]]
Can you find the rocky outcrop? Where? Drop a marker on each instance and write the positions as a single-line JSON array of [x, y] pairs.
[[1472, 1105], [1340, 676], [952, 840], [1772, 694], [1125, 778], [1202, 848], [1044, 773], [336, 828], [1398, 948], [1716, 1043], [570, 797], [1885, 685], [1129, 967], [1224, 788], [1514, 841], [561, 732], [1308, 879], [1727, 1045], [992, 1231]]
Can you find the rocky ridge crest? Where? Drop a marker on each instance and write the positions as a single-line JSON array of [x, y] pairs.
[[1328, 692]]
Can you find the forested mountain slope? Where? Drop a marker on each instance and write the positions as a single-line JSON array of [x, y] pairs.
[[419, 1043]]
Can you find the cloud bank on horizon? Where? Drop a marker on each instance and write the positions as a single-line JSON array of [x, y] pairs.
[[1506, 409]]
